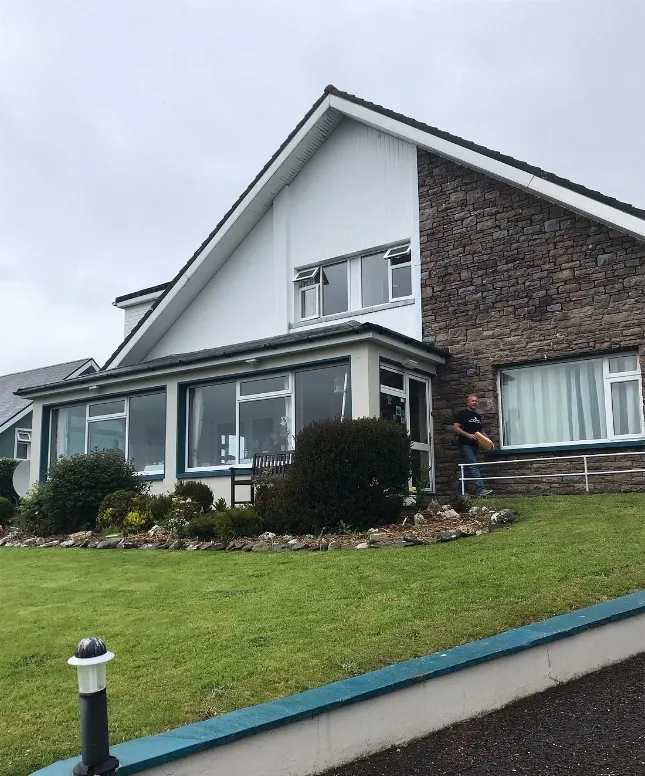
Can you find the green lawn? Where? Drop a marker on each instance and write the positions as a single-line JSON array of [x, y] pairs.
[[198, 634]]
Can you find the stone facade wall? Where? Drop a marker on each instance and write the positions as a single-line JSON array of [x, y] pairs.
[[508, 278]]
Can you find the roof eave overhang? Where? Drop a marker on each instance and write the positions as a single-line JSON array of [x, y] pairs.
[[262, 354]]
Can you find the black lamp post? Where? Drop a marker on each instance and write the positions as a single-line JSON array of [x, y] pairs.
[[90, 658]]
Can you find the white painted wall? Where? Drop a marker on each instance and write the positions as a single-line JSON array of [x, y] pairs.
[[358, 192], [348, 733], [134, 314]]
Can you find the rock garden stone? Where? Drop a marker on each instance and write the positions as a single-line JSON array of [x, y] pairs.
[[467, 530], [108, 544], [261, 547], [334, 545], [156, 529], [3, 541], [67, 543], [377, 537], [176, 545], [124, 544], [503, 517], [266, 536], [217, 546], [29, 542], [155, 546], [412, 541], [299, 546], [448, 536], [450, 514], [419, 519], [363, 546], [247, 547]]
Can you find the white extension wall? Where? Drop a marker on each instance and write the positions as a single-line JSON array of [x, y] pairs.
[[359, 191]]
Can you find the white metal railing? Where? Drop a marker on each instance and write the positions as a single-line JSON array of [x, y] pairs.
[[586, 473]]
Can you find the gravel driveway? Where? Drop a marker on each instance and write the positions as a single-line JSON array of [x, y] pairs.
[[594, 726]]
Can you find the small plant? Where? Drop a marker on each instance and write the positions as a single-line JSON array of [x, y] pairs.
[[183, 511], [422, 483], [7, 511], [31, 512], [195, 491], [203, 527], [237, 522], [344, 528], [161, 507], [177, 525], [220, 505], [117, 508]]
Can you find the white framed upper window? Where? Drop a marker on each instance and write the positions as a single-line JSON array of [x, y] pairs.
[[386, 276], [22, 448], [584, 400], [322, 290]]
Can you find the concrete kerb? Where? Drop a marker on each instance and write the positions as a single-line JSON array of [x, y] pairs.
[[555, 657]]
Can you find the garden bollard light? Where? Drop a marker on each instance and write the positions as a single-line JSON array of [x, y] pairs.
[[90, 658]]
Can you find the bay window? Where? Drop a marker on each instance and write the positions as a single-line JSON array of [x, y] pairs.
[[228, 423], [586, 400], [135, 426]]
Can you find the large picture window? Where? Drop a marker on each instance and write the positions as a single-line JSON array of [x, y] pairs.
[[594, 399], [135, 426], [228, 423]]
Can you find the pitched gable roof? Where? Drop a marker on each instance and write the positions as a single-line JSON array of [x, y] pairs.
[[301, 144], [13, 407]]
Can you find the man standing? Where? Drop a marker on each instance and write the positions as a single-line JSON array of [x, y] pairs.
[[466, 423]]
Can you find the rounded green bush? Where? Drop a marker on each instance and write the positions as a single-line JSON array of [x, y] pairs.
[[77, 485], [195, 491], [354, 471], [31, 512], [226, 525], [116, 509]]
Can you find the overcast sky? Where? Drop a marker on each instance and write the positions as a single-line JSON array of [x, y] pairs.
[[128, 127]]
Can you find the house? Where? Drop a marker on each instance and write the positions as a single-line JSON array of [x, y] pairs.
[[376, 266], [16, 411]]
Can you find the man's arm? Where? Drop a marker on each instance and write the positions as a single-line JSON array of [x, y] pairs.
[[460, 432]]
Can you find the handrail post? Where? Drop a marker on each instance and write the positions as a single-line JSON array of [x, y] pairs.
[[461, 477], [584, 459]]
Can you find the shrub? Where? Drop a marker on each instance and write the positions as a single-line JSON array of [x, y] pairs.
[[183, 511], [77, 485], [231, 524], [7, 466], [31, 512], [7, 511], [196, 491], [161, 507], [202, 527], [355, 471], [220, 505], [116, 509]]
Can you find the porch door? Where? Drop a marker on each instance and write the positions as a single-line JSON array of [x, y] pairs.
[[405, 399]]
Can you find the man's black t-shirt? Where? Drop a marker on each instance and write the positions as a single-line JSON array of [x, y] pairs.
[[470, 422]]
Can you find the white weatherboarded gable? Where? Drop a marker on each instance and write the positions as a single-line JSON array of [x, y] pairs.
[[359, 191]]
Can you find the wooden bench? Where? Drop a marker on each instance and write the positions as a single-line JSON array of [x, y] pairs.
[[273, 464]]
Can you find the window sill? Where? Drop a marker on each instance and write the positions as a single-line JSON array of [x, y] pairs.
[[573, 447], [203, 473], [151, 477], [352, 313]]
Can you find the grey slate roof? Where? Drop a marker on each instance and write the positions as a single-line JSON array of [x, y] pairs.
[[11, 405], [297, 337]]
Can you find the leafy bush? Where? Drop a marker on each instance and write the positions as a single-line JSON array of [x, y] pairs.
[[7, 511], [31, 512], [355, 471], [231, 524], [161, 507], [126, 511], [183, 511], [77, 485], [202, 527], [195, 491], [7, 466], [220, 505]]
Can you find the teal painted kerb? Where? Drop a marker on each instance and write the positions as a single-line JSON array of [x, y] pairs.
[[143, 753]]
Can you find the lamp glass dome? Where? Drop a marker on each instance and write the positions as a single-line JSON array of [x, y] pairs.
[[91, 678]]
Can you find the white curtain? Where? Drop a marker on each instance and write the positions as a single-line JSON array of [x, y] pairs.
[[196, 423], [554, 403], [625, 402], [62, 433]]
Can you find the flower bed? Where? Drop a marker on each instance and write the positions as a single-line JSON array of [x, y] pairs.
[[435, 524]]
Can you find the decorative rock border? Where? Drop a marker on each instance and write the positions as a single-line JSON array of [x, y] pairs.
[[435, 524]]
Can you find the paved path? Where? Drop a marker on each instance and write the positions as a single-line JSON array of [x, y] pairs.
[[594, 726]]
